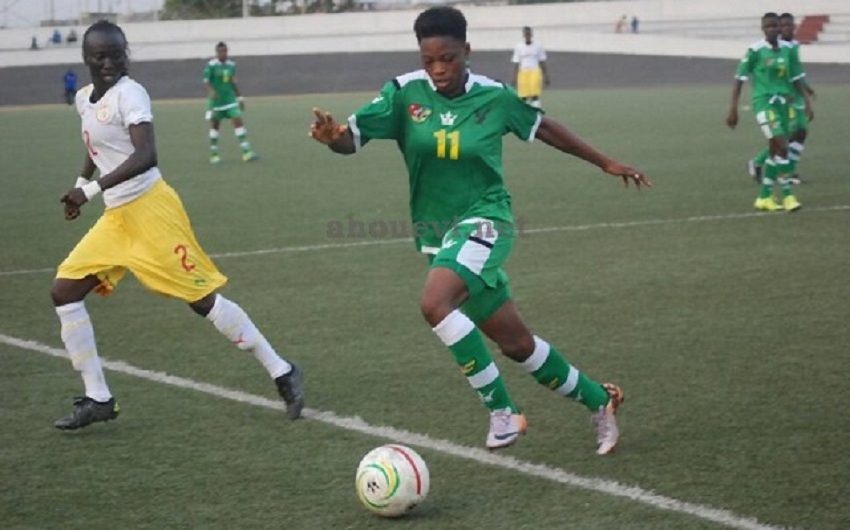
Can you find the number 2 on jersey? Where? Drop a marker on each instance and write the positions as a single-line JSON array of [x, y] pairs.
[[87, 140], [454, 144]]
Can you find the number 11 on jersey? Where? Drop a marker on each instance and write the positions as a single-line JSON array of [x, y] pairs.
[[453, 140]]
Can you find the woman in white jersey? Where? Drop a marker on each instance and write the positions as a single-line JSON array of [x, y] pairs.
[[144, 229], [530, 68]]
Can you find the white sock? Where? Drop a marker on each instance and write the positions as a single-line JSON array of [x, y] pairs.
[[78, 336], [795, 151], [236, 325]]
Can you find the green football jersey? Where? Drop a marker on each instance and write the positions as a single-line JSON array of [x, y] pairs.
[[773, 71], [452, 147], [798, 97], [220, 76]]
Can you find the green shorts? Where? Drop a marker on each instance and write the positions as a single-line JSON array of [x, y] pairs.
[[224, 114], [797, 118], [772, 116], [475, 249]]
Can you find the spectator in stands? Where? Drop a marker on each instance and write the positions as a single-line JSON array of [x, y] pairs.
[[56, 37], [621, 24], [530, 68], [34, 43], [70, 82], [797, 117], [635, 24], [72, 36], [448, 123], [776, 73]]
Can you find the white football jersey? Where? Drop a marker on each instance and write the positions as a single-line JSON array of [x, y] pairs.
[[528, 55], [106, 134]]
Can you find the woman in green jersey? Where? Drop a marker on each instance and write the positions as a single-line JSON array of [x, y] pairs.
[[448, 123]]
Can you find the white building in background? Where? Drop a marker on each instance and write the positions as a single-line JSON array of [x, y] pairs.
[[36, 13]]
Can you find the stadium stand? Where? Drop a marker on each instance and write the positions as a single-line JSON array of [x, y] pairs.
[[668, 27]]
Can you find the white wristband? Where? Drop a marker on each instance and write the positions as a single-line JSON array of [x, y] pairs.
[[81, 181], [91, 189]]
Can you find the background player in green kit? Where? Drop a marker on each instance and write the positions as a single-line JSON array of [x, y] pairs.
[[448, 123], [797, 118], [225, 102], [775, 70]]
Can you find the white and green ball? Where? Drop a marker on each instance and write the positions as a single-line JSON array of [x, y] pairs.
[[391, 480]]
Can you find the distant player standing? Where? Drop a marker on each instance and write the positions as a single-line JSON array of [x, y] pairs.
[[144, 229], [798, 120], [775, 70], [225, 102], [530, 68]]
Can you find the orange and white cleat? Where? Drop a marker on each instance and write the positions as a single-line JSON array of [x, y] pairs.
[[505, 428], [605, 421]]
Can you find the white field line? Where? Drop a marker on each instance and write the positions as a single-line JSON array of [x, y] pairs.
[[599, 485], [542, 230]]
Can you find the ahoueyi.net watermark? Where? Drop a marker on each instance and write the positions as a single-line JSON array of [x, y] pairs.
[[353, 228]]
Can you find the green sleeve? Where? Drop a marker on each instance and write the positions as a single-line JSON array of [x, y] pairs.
[[521, 118], [207, 73], [380, 119], [745, 67], [795, 69]]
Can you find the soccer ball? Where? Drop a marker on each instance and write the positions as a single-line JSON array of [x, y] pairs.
[[392, 480]]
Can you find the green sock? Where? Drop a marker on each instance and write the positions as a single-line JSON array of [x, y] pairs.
[[761, 157], [242, 136], [471, 354], [768, 179], [550, 369], [784, 170], [213, 142], [795, 151]]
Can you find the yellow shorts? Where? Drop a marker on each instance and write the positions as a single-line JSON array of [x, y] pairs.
[[153, 238], [529, 82]]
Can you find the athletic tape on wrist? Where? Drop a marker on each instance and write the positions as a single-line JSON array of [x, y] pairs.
[[91, 189]]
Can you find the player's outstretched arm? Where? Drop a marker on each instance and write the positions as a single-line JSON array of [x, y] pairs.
[[732, 115], [806, 92], [334, 135], [559, 137]]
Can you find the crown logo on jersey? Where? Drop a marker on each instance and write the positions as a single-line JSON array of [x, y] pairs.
[[102, 114], [448, 118], [418, 113]]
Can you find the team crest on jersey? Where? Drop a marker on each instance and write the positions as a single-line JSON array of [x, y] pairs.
[[102, 114], [418, 113], [481, 115], [447, 119]]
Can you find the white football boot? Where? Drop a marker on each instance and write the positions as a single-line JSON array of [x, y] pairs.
[[605, 421], [505, 428]]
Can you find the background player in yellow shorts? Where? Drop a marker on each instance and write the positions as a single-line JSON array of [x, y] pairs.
[[144, 229], [530, 68]]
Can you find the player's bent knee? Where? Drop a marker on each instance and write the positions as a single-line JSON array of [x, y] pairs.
[[434, 309], [203, 306], [65, 291], [517, 347]]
